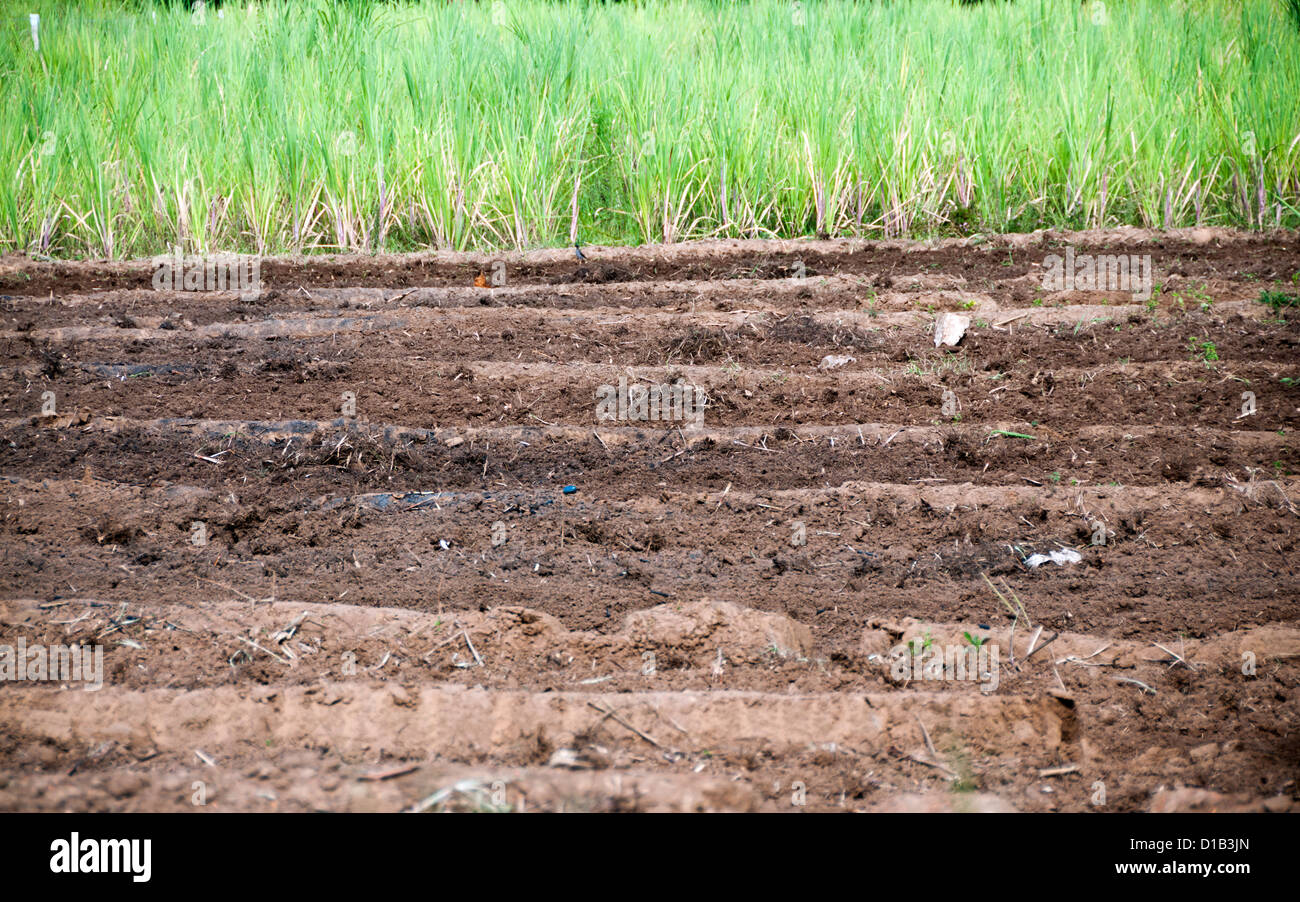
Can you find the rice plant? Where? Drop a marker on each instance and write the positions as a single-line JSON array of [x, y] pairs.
[[331, 126]]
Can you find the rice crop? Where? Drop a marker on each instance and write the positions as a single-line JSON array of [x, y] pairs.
[[329, 126]]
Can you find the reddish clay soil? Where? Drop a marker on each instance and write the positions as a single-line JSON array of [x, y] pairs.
[[322, 537]]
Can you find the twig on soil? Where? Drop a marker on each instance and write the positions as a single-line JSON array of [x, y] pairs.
[[291, 630], [247, 598], [115, 624], [1059, 771], [1033, 642], [610, 714], [1178, 659], [389, 774], [672, 723], [722, 496], [1055, 636], [260, 648], [470, 788], [1141, 685], [472, 649], [100, 751], [935, 764], [754, 447], [926, 733], [452, 638], [1075, 659], [934, 754]]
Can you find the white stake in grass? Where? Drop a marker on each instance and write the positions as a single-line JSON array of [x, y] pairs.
[[35, 19]]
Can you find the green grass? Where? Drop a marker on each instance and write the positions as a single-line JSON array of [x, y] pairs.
[[1204, 350], [1278, 300], [323, 126]]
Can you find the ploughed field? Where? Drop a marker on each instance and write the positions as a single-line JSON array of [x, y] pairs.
[[322, 536]]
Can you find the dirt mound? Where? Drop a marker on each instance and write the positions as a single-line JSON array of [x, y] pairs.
[[707, 632], [1167, 801]]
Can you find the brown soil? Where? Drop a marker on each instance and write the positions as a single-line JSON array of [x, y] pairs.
[[398, 607]]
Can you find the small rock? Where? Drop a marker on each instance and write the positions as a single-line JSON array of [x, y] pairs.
[[834, 361], [567, 758], [1061, 558], [949, 329]]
